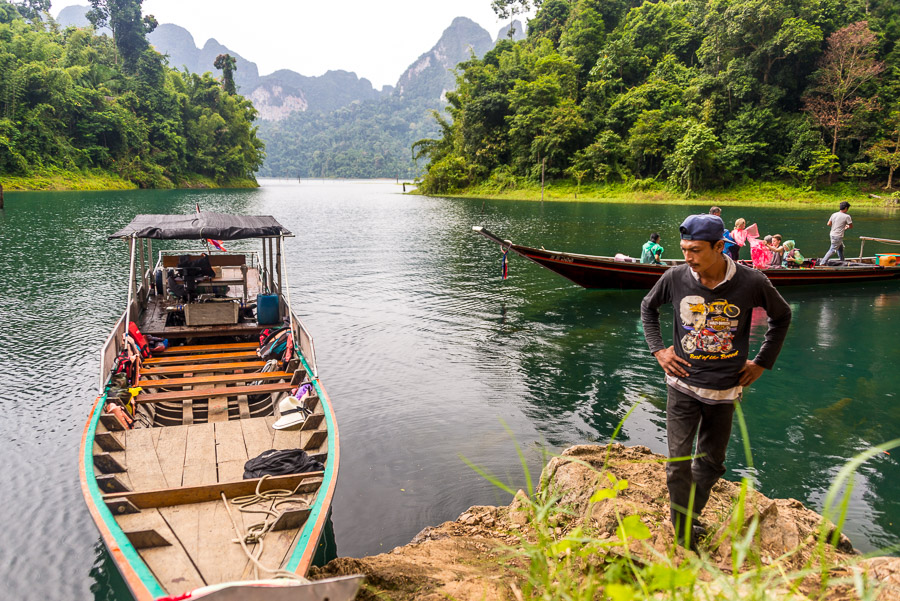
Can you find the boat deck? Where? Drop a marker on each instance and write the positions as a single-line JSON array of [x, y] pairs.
[[163, 483]]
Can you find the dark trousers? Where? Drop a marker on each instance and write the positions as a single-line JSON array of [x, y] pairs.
[[687, 418]]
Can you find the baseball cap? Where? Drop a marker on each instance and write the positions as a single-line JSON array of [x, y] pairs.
[[702, 227]]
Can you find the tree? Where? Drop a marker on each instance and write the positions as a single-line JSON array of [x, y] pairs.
[[507, 8], [129, 29], [693, 157], [848, 63], [228, 65], [886, 152], [32, 9]]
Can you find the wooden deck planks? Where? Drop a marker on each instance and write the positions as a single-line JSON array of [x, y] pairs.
[[258, 435], [171, 452], [200, 456], [219, 559], [230, 471], [230, 442], [140, 456], [171, 565]]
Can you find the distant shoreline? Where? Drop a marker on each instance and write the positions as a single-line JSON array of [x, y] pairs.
[[757, 192]]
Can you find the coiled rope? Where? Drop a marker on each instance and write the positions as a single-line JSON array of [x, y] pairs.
[[257, 532]]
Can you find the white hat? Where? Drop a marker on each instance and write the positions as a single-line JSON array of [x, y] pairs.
[[293, 411]]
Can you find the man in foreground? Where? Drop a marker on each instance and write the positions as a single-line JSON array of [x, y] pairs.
[[707, 367], [840, 222]]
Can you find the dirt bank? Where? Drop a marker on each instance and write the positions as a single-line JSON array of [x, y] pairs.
[[480, 555]]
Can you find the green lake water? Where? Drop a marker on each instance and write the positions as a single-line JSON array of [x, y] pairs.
[[429, 357]]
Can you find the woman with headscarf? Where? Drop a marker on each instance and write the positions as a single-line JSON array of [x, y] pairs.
[[792, 256]]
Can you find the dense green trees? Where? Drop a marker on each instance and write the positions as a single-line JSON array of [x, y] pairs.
[[690, 93], [73, 100]]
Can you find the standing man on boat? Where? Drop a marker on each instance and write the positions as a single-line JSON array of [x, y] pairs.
[[840, 222], [709, 364]]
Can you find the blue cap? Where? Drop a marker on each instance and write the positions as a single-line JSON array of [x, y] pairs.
[[703, 227]]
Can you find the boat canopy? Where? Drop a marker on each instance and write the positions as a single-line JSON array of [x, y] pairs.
[[198, 226]]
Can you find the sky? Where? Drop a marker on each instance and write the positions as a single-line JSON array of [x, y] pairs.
[[375, 40]]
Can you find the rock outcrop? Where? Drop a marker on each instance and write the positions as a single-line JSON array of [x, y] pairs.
[[475, 556]]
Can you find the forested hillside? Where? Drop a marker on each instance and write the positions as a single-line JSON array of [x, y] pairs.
[[72, 100], [689, 94]]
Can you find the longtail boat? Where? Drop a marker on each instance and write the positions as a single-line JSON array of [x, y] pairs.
[[591, 271], [185, 401]]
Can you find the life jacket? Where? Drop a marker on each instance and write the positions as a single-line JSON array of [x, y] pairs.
[[139, 339], [275, 346]]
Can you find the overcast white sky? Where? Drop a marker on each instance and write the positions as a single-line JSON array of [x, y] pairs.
[[376, 40]]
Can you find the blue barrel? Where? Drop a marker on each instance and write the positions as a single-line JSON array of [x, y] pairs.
[[267, 312]]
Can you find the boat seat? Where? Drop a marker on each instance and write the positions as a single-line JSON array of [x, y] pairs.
[[209, 348], [210, 393], [202, 367], [168, 497], [178, 359], [222, 379]]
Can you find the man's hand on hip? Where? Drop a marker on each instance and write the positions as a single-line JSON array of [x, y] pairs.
[[672, 363], [750, 373]]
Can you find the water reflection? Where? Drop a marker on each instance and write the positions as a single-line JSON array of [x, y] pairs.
[[429, 356]]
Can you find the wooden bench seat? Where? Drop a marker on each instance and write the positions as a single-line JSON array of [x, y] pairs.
[[223, 379], [167, 497], [202, 367], [189, 349], [209, 393], [181, 359]]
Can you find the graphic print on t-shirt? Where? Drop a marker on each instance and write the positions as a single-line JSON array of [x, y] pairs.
[[710, 327]]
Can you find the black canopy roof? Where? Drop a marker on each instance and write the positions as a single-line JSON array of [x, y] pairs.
[[197, 226]]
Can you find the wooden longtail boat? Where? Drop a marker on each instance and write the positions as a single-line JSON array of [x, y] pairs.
[[591, 271], [165, 491]]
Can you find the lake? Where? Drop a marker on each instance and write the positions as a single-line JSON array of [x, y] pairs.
[[432, 360]]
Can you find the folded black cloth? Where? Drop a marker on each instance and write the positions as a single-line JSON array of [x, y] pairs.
[[280, 463]]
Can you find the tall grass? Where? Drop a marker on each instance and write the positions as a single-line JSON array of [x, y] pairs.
[[553, 562]]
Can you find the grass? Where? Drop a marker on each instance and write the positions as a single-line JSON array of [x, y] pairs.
[[51, 179], [577, 564], [61, 179], [644, 191]]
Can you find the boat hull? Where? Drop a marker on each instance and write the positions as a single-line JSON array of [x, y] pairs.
[[606, 273]]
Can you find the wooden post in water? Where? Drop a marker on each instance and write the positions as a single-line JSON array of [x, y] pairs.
[[1, 196]]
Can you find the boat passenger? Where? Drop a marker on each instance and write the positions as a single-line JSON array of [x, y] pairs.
[[840, 222], [792, 256], [777, 250], [652, 252], [734, 239]]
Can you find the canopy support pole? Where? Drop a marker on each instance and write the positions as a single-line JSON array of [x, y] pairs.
[[271, 269], [131, 248], [278, 263], [265, 269]]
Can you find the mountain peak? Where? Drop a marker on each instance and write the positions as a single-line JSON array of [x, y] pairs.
[[430, 75]]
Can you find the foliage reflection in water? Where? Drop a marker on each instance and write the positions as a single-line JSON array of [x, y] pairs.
[[424, 350]]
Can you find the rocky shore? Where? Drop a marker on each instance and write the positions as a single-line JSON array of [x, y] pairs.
[[481, 556]]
